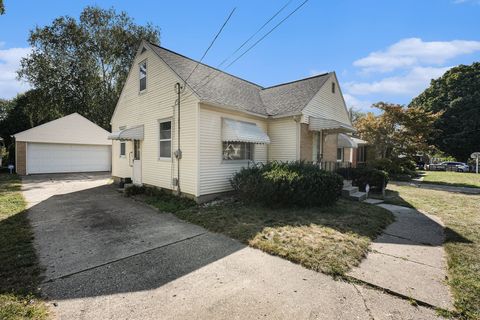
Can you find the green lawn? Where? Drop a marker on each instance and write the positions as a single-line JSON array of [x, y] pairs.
[[459, 179], [461, 215], [19, 270], [331, 239]]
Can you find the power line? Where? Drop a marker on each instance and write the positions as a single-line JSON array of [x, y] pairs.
[[271, 30], [252, 46], [211, 44], [256, 32]]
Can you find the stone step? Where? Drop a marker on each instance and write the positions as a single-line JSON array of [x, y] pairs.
[[347, 191], [358, 196], [347, 183]]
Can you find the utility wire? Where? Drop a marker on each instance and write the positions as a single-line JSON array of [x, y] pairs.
[[256, 32], [211, 44], [265, 35], [252, 46]]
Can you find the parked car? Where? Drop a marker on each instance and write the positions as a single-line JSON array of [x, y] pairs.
[[449, 166]]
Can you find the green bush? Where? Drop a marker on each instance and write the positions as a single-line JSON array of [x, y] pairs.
[[399, 169], [375, 178], [285, 184]]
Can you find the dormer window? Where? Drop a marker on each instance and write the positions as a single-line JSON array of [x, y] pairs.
[[333, 87], [143, 75]]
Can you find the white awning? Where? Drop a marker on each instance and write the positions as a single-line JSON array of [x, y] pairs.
[[134, 133], [318, 124], [345, 141], [359, 141], [239, 131]]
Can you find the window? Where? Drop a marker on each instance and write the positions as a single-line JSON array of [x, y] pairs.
[[122, 144], [339, 154], [333, 87], [143, 75], [136, 149], [361, 154], [165, 139], [237, 151], [122, 149]]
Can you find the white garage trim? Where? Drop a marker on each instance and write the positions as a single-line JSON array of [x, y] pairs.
[[58, 158]]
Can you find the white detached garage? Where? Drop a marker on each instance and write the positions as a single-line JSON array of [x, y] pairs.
[[69, 144]]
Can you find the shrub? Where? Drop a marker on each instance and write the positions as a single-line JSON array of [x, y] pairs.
[[285, 184], [398, 169]]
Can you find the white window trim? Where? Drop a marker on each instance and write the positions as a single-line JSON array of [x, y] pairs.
[[120, 145], [146, 76], [120, 150], [160, 121], [343, 155]]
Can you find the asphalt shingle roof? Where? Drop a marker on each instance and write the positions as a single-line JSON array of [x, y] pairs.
[[215, 86]]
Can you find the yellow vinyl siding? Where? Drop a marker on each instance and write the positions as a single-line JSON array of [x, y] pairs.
[[146, 108], [284, 138], [214, 172], [328, 105]]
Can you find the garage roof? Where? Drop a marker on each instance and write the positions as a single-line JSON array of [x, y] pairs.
[[71, 129]]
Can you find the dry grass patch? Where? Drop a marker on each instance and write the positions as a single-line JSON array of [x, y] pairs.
[[329, 239]]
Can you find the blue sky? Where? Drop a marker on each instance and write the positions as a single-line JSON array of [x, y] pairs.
[[381, 50]]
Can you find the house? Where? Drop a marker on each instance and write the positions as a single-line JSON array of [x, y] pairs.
[[222, 123], [69, 144]]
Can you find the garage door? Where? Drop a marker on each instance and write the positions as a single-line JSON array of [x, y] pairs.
[[52, 158]]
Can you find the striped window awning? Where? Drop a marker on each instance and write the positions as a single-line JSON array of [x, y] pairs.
[[134, 133], [345, 141], [240, 131]]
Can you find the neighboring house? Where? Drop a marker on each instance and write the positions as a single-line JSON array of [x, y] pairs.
[[351, 150], [225, 123], [69, 144]]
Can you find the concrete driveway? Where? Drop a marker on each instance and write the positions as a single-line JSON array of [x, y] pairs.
[[110, 257]]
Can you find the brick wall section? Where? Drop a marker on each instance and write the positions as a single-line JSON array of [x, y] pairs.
[[330, 147], [21, 157], [306, 143], [346, 154]]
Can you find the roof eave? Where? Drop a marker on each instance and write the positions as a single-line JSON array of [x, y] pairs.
[[232, 108]]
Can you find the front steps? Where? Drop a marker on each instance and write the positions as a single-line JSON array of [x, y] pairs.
[[352, 193]]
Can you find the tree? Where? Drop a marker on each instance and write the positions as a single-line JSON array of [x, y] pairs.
[[457, 95], [81, 66], [21, 113], [2, 7], [397, 130]]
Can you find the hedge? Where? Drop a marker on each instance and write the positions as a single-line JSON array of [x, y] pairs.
[[376, 179], [286, 184]]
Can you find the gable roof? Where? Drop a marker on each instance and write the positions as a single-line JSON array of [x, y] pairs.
[[218, 87], [71, 129]]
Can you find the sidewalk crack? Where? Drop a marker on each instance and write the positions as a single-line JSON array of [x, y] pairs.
[[403, 258], [367, 309]]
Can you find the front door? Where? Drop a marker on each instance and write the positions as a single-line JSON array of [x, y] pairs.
[[137, 162]]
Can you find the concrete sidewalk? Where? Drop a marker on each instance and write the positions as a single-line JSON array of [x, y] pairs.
[[408, 258]]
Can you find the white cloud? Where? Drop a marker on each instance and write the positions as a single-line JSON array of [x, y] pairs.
[[357, 104], [411, 52], [9, 64], [412, 83]]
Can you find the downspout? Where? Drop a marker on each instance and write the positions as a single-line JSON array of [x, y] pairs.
[[178, 152]]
